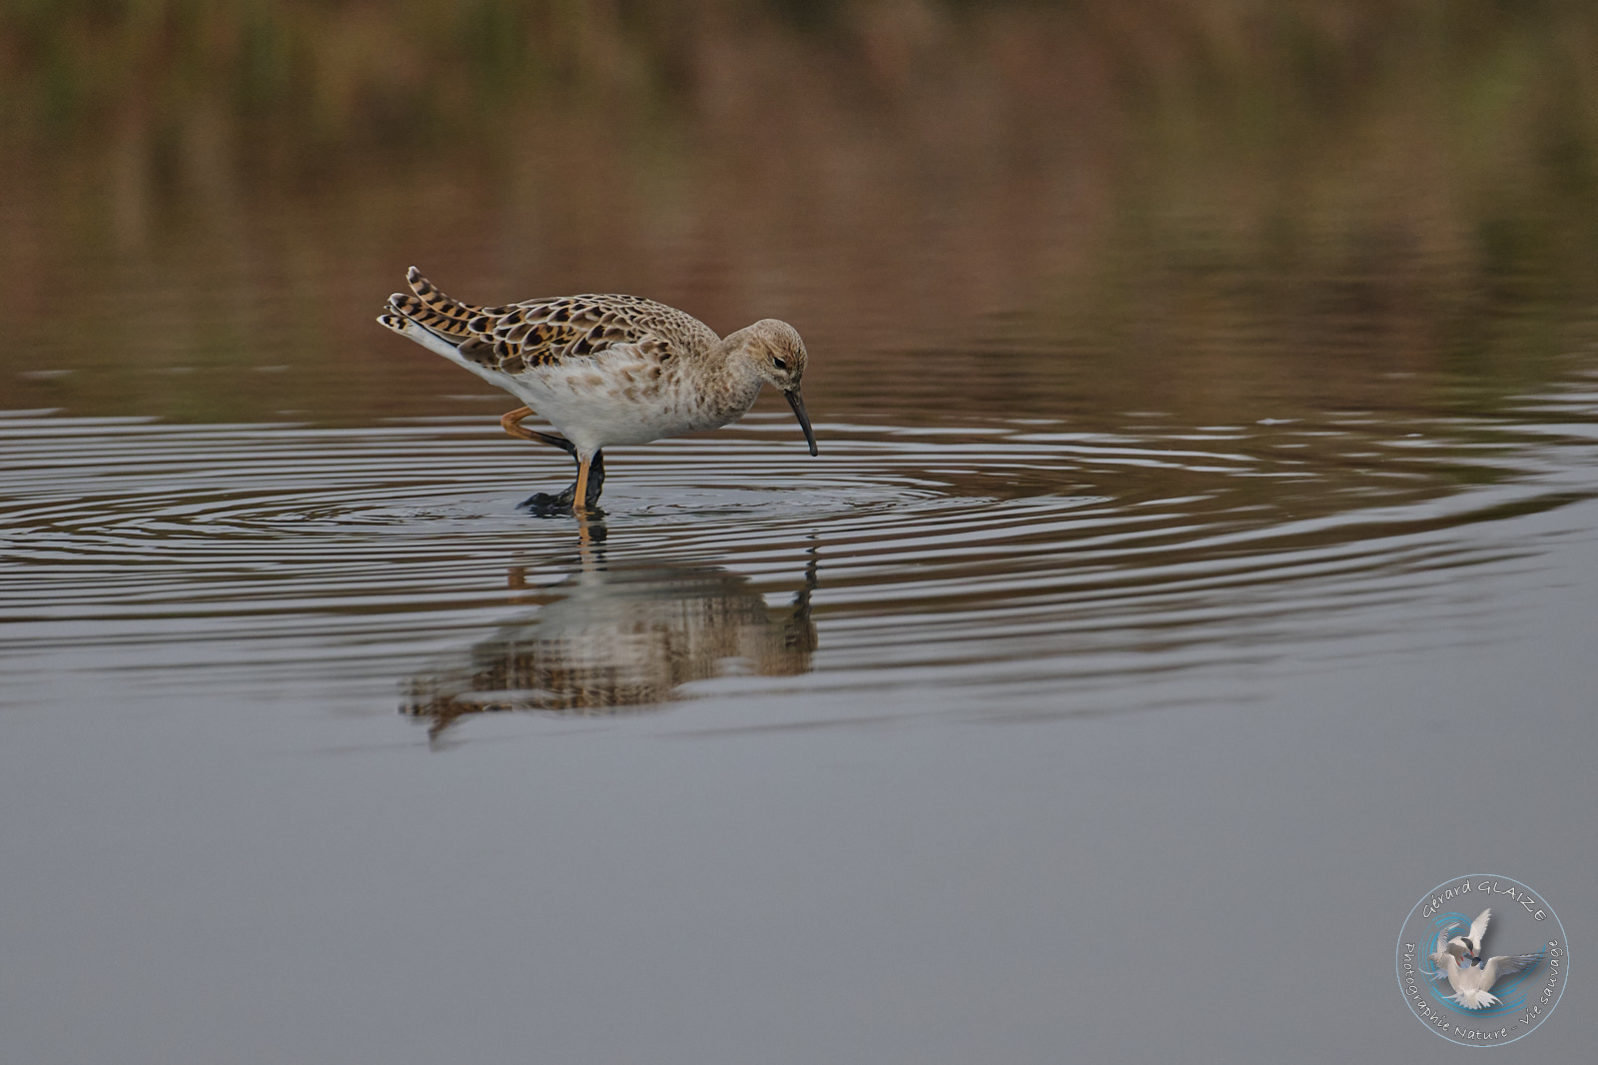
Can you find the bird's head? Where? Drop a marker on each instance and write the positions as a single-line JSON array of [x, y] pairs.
[[773, 350]]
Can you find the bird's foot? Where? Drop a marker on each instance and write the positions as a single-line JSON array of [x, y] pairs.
[[545, 505]]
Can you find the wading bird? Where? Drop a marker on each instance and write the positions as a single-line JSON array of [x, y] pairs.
[[604, 369]]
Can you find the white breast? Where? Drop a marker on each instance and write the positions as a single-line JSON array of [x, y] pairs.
[[620, 398]]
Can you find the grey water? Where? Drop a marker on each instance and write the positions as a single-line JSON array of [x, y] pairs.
[[319, 749], [1200, 563]]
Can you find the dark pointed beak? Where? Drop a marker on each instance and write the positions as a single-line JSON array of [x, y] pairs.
[[797, 402]]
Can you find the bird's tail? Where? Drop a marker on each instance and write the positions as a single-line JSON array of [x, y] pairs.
[[431, 308], [1473, 999]]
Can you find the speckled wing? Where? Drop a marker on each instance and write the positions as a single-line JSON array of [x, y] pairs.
[[523, 336]]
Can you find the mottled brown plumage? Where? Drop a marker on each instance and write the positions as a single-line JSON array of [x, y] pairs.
[[541, 332]]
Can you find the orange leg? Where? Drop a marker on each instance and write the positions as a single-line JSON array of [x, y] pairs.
[[590, 482], [512, 424], [580, 497]]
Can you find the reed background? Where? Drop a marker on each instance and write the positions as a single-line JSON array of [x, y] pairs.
[[1070, 208]]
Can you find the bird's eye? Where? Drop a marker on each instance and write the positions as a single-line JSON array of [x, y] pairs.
[[781, 364]]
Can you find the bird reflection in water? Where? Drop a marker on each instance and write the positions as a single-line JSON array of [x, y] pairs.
[[620, 635]]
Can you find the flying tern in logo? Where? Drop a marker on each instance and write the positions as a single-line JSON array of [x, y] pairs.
[[1470, 975], [1472, 940]]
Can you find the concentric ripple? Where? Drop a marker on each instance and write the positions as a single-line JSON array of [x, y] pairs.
[[1031, 566]]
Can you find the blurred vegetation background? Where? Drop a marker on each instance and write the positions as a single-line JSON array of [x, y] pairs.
[[1174, 204]]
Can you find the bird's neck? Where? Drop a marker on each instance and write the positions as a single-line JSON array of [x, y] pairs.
[[733, 349], [725, 380]]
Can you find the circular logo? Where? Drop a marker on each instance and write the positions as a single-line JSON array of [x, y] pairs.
[[1482, 960]]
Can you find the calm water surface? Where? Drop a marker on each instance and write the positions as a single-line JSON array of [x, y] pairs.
[[1201, 561], [317, 745]]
